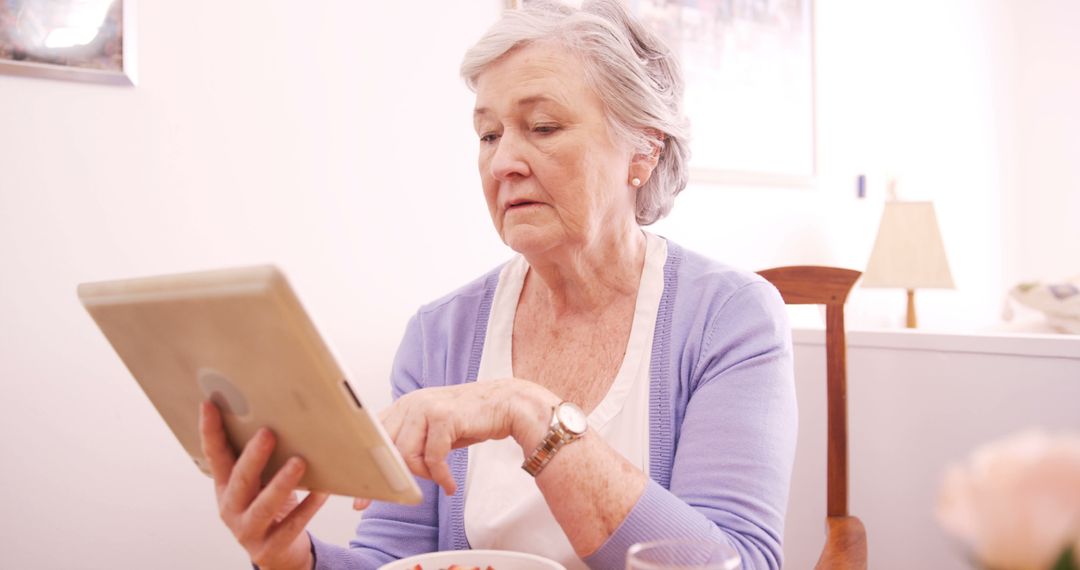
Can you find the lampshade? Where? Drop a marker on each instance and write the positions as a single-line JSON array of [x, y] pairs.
[[908, 252]]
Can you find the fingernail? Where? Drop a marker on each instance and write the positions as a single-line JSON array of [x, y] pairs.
[[294, 465]]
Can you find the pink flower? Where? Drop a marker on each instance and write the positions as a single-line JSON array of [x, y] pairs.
[[1016, 503]]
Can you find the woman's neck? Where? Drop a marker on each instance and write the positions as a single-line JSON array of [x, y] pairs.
[[584, 279]]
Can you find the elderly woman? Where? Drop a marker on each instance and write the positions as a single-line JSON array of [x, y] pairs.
[[605, 386]]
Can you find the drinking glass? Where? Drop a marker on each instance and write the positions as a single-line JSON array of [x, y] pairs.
[[682, 554]]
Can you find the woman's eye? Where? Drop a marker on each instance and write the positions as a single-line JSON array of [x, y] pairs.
[[545, 129], [488, 137]]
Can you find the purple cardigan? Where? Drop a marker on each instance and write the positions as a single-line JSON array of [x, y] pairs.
[[722, 421]]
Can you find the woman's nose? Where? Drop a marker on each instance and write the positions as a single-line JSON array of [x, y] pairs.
[[508, 159]]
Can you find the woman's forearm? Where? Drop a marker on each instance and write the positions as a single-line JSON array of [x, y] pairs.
[[589, 487]]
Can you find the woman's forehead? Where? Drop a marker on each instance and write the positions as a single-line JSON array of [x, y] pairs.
[[533, 75]]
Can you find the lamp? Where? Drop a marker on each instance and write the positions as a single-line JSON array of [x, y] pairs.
[[908, 252]]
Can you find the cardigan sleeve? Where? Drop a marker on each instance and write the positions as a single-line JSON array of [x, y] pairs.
[[388, 531], [735, 446]]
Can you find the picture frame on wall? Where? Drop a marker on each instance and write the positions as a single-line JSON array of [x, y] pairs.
[[78, 40], [750, 92]]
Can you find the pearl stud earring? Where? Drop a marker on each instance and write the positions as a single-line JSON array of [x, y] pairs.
[[636, 181]]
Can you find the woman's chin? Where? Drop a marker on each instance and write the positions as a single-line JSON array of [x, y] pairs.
[[529, 240]]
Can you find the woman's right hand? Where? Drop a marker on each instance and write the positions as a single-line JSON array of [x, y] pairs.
[[259, 517]]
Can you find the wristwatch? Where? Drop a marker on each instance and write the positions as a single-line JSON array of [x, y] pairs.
[[568, 424]]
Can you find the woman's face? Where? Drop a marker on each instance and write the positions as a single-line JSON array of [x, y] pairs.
[[553, 176]]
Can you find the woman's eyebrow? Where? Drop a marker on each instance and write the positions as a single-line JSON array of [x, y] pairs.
[[523, 102]]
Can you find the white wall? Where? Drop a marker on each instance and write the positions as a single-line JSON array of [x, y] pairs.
[[337, 143], [917, 90], [1046, 203]]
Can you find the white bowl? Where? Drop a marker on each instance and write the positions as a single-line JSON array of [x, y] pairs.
[[497, 559]]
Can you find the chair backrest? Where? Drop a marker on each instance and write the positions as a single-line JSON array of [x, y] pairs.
[[829, 286], [845, 536]]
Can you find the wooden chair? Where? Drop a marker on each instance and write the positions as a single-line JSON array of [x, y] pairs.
[[845, 538]]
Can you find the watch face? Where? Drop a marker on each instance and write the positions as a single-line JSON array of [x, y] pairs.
[[572, 418]]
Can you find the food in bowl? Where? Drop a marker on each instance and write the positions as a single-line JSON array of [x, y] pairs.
[[479, 559], [455, 567]]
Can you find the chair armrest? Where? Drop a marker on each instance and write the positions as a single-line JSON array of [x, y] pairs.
[[845, 545]]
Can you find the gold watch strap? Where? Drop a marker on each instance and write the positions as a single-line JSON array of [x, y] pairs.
[[555, 439], [543, 453]]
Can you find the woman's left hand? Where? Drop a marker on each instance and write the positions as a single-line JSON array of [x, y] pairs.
[[426, 424]]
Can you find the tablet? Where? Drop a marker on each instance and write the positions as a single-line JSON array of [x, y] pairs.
[[241, 338]]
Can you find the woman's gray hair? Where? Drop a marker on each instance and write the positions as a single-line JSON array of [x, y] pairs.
[[633, 72]]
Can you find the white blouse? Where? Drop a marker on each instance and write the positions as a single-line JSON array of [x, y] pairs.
[[504, 509]]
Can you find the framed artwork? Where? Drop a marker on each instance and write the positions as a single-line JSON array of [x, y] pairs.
[[81, 40], [749, 71]]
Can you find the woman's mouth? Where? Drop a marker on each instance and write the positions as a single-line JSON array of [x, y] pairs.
[[521, 205]]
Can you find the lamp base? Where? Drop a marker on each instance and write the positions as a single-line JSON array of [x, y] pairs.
[[911, 321]]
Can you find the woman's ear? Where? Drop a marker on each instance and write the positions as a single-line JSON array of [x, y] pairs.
[[643, 164]]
